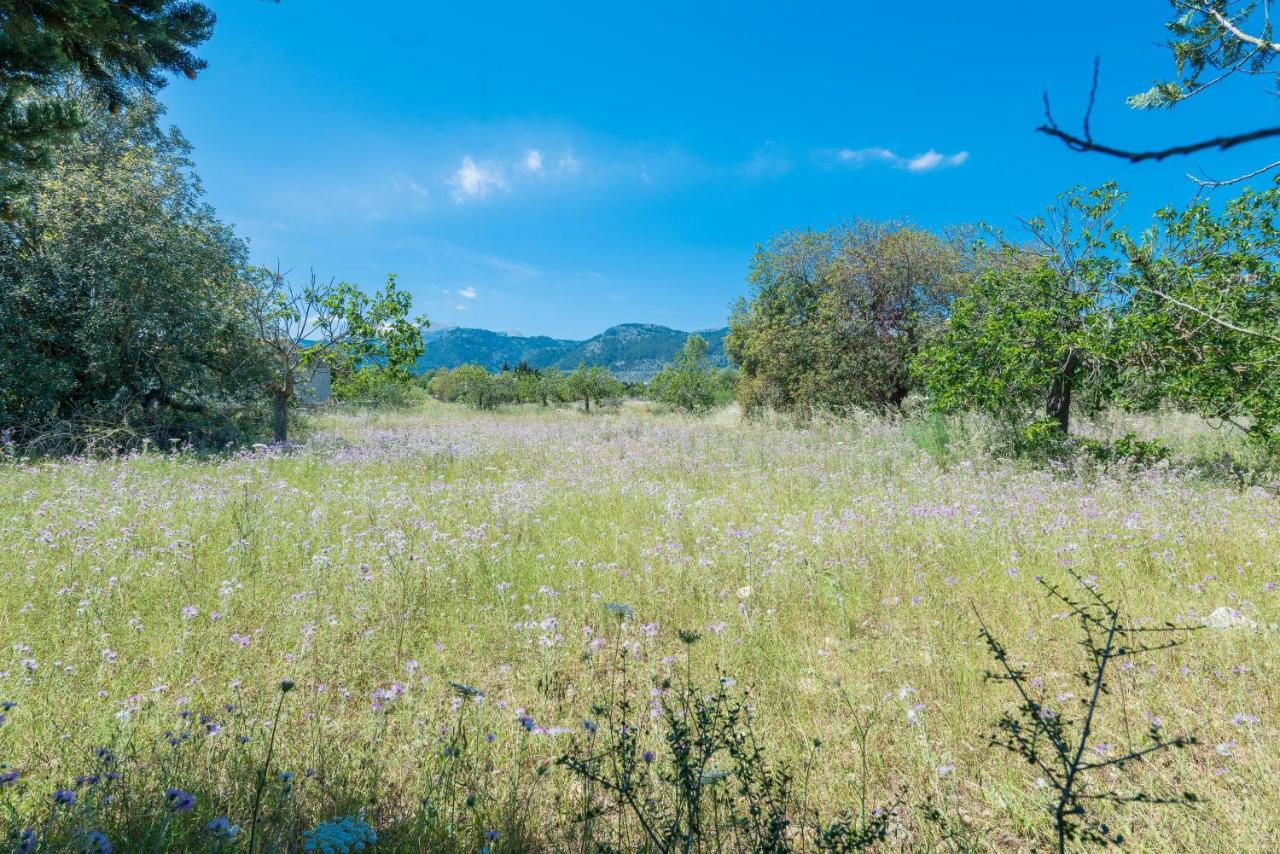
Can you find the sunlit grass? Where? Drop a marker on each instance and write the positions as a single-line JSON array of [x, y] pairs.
[[398, 553]]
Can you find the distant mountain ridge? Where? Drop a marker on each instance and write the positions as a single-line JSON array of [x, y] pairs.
[[633, 351]]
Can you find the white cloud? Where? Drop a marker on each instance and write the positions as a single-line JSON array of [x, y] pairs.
[[460, 307], [926, 162], [476, 180], [468, 293], [533, 161]]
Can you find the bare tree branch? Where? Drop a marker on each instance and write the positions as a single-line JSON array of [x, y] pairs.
[[1210, 184], [1077, 143]]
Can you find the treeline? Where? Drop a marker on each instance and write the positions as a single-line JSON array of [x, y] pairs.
[[1070, 317], [689, 384]]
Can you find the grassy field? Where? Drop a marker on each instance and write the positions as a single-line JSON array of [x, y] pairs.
[[838, 572]]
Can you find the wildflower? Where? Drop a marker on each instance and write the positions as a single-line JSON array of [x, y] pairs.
[[1242, 719], [647, 756], [8, 778], [222, 828], [64, 797], [589, 726], [26, 842], [688, 637], [190, 612], [96, 842], [180, 801], [944, 770], [621, 610], [527, 722], [340, 836], [466, 690]]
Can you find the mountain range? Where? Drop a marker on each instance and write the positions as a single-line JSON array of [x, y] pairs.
[[632, 351]]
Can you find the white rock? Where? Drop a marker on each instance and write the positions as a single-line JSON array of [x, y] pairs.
[[1228, 618]]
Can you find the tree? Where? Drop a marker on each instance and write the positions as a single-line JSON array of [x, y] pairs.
[[1037, 328], [1203, 326], [1211, 41], [688, 383], [334, 324], [118, 48], [595, 383], [552, 386], [835, 316], [124, 306]]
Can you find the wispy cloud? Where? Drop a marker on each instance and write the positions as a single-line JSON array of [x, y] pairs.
[[475, 181], [468, 293], [926, 162], [478, 179], [769, 161]]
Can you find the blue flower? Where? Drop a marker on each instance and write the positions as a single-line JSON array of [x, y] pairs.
[[96, 842], [9, 777], [180, 801], [222, 828], [340, 836], [64, 797], [26, 842]]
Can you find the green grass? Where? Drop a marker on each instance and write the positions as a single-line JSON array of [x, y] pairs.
[[443, 546]]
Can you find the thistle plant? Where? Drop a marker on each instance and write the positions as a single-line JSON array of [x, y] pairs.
[[1063, 748]]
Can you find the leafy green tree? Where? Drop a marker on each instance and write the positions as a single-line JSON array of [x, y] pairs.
[[1203, 327], [688, 383], [471, 384], [1034, 336], [552, 386], [123, 301], [596, 383], [118, 48], [835, 316], [334, 324]]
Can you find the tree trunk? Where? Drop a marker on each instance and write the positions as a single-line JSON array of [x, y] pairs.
[[586, 400], [1058, 405], [280, 415]]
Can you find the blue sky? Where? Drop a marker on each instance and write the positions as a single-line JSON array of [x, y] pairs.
[[558, 169]]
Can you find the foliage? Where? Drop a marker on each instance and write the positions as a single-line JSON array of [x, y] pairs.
[[1206, 40], [1035, 333], [376, 386], [835, 316], [332, 324], [1065, 751], [596, 383], [688, 383], [124, 311], [117, 48], [1203, 330]]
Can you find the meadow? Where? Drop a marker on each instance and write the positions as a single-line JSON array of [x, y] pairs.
[[456, 598]]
